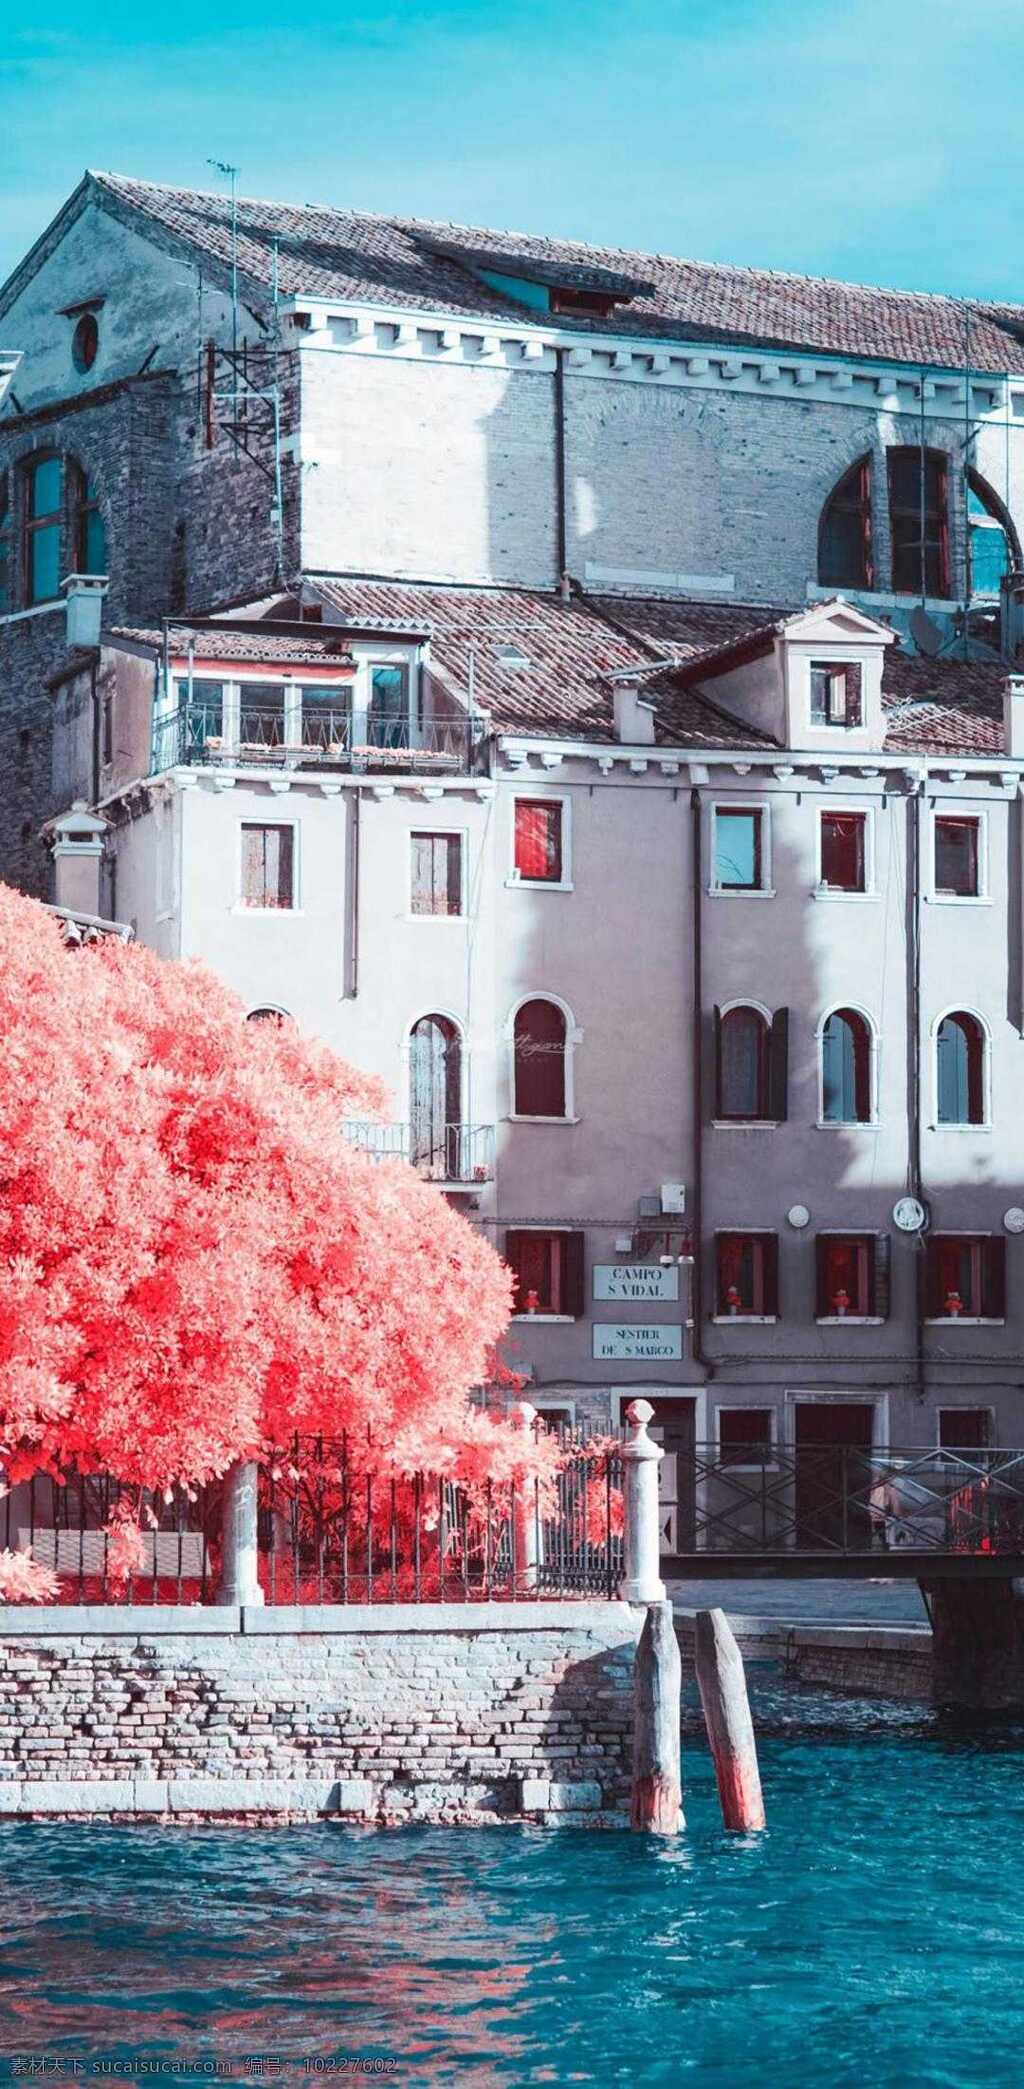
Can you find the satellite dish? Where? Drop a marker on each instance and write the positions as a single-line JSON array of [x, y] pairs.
[[925, 633]]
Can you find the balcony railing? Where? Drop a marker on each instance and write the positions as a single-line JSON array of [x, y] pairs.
[[199, 732], [462, 1153]]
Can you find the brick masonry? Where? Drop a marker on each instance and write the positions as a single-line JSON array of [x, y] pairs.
[[862, 1663], [526, 1712]]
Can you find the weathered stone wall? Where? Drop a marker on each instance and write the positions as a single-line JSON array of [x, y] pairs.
[[384, 1713], [862, 1662]]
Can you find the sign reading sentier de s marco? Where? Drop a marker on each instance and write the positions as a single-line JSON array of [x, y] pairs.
[[630, 1341], [635, 1280]]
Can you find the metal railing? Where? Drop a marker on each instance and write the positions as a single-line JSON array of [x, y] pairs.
[[335, 1527], [462, 1153], [200, 732], [846, 1500]]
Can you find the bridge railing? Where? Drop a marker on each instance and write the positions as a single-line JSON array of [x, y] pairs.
[[845, 1499]]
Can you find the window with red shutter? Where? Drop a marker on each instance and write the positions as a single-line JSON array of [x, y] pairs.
[[546, 1270], [538, 840], [846, 1263], [966, 1276], [747, 1275]]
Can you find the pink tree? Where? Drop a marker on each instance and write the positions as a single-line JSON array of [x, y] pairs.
[[194, 1263]]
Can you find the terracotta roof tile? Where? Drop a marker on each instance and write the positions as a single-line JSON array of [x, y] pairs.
[[340, 253]]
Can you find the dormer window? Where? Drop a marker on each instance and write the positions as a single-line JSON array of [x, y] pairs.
[[836, 693]]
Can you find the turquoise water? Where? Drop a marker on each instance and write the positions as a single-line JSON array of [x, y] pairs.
[[874, 1935]]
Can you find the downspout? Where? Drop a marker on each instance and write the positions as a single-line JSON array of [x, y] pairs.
[[561, 527], [914, 819], [352, 965], [94, 687], [696, 1049]]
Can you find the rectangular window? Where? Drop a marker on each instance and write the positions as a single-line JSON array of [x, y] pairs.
[[744, 1435], [966, 1276], [538, 840], [326, 717], [437, 874], [738, 849], [964, 1428], [748, 1275], [836, 694], [44, 523], [957, 856], [260, 717], [201, 709], [547, 1272], [846, 1276], [919, 522], [843, 851], [268, 865], [388, 723]]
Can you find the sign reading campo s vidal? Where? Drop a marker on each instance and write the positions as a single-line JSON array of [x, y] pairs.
[[639, 1344], [628, 1280]]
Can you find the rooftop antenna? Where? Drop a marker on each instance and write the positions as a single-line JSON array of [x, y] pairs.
[[232, 173]]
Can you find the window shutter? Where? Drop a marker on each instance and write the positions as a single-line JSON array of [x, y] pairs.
[[770, 1265], [821, 1276], [882, 1280], [574, 1301], [514, 1259], [713, 1057], [931, 1278], [778, 1067], [993, 1283], [422, 873], [853, 693]]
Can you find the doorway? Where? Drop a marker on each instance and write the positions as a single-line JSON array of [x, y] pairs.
[[832, 1445], [675, 1428], [435, 1096]]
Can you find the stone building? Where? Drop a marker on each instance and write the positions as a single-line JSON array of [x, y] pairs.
[[581, 687]]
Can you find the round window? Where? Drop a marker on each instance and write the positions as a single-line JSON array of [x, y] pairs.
[[85, 341]]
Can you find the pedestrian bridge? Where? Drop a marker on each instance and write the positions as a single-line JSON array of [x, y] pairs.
[[841, 1511]]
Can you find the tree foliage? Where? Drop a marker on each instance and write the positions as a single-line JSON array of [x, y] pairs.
[[194, 1263]]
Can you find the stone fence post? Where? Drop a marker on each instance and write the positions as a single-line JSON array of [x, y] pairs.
[[528, 1535], [239, 1575], [641, 1460]]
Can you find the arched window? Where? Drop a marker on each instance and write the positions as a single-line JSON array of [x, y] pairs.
[[919, 521], [992, 539], [960, 1069], [846, 1068], [435, 1096], [844, 532], [743, 1065], [43, 526], [88, 533], [539, 1053], [268, 1015]]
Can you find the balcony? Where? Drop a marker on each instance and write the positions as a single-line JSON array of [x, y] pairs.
[[457, 1156], [199, 733]]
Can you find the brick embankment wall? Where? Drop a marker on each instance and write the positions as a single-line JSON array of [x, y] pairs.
[[862, 1662], [389, 1714]]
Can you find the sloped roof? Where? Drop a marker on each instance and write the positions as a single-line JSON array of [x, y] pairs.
[[422, 265], [943, 706], [232, 639]]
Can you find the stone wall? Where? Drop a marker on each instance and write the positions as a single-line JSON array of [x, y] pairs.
[[388, 1714], [862, 1662]]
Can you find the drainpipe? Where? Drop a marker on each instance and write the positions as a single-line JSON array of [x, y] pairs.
[[561, 529], [95, 694], [696, 1048], [352, 966], [915, 816]]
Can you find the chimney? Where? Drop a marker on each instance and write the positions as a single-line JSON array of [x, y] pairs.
[[1013, 715], [83, 607], [634, 718], [77, 845], [1011, 615]]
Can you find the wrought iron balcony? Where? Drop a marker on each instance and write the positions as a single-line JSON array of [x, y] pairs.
[[200, 732], [460, 1154]]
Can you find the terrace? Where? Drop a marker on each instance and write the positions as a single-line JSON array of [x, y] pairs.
[[374, 721]]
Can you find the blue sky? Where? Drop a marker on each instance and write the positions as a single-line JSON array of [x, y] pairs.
[[879, 140]]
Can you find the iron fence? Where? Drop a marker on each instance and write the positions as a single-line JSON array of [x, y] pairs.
[[335, 1526], [203, 731], [845, 1500], [441, 1153]]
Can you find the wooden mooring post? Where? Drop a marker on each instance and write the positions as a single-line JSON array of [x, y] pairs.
[[657, 1748], [723, 1694]]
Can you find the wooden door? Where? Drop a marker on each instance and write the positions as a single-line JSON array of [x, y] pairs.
[[435, 1084], [832, 1475], [675, 1428]]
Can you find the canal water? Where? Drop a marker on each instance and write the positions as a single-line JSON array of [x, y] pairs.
[[874, 1935]]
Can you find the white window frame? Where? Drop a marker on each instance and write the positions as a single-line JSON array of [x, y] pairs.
[[769, 1464], [766, 889], [861, 812], [461, 833], [869, 1124], [834, 668], [540, 795], [249, 819], [983, 896], [743, 1319], [368, 655], [849, 1319], [573, 1037], [958, 1130], [544, 1319]]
